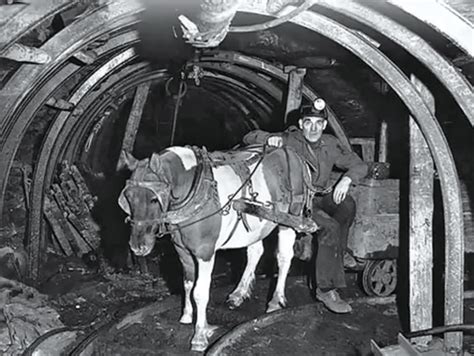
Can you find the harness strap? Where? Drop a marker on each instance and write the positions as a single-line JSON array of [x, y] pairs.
[[239, 217]]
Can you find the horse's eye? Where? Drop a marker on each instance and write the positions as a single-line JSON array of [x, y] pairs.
[[155, 200]]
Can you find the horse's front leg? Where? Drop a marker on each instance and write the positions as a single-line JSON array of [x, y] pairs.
[[286, 240], [189, 275], [202, 330], [244, 288]]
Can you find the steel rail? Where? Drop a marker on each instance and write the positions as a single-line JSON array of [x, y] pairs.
[[450, 187], [447, 74]]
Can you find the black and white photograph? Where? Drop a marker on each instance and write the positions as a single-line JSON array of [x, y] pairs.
[[236, 177]]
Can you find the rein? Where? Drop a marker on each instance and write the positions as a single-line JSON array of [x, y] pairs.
[[224, 209]]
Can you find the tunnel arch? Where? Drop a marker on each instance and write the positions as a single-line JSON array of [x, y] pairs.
[[22, 96], [80, 34]]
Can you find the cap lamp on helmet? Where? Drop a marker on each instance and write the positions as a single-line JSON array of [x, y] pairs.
[[316, 109]]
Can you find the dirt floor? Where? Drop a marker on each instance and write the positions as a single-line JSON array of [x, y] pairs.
[[315, 333], [96, 304]]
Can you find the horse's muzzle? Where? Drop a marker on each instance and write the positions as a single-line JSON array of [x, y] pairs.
[[142, 250], [142, 244]]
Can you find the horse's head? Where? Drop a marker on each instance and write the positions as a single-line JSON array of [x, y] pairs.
[[145, 199]]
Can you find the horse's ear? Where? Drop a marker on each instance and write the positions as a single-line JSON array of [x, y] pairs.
[[126, 160], [155, 163]]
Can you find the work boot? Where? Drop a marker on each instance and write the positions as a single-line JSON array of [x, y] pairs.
[[332, 300], [349, 261]]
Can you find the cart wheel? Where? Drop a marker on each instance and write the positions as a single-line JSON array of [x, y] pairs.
[[379, 278]]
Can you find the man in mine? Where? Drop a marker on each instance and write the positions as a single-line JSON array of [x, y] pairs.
[[333, 208]]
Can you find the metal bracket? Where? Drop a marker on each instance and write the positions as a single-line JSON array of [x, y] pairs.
[[404, 348]]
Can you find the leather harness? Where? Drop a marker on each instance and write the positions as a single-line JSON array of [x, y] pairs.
[[202, 200]]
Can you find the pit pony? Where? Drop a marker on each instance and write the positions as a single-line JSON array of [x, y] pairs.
[[190, 194]]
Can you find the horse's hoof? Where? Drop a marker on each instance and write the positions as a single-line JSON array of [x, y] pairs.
[[275, 307], [272, 308], [186, 319], [198, 347], [233, 304]]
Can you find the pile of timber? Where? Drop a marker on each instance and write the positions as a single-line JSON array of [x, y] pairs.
[[67, 207]]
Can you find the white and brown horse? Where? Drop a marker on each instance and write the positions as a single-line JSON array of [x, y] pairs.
[[182, 188]]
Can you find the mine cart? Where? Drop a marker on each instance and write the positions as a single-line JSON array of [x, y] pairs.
[[374, 235]]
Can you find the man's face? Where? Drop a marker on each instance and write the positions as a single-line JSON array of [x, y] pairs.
[[312, 127]]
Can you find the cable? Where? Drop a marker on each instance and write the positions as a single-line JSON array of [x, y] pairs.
[[276, 22], [440, 330], [181, 92]]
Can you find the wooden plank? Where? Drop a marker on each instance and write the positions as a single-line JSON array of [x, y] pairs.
[[299, 223], [368, 147], [78, 244], [295, 90], [57, 222], [84, 192], [421, 206]]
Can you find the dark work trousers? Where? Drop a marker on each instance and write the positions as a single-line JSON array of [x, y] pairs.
[[330, 240]]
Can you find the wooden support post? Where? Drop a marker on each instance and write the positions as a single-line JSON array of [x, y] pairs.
[[139, 100], [420, 221], [383, 142], [295, 90], [131, 130]]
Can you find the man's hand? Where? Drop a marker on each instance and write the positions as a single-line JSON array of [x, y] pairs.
[[275, 141], [341, 189]]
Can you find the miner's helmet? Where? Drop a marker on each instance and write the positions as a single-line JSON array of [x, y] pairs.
[[316, 109]]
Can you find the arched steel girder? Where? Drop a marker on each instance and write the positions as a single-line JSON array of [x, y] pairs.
[[126, 80], [442, 17], [446, 73], [93, 106], [49, 148], [408, 94], [63, 124], [247, 96], [263, 110], [452, 203], [61, 47], [45, 87], [29, 17], [278, 73], [28, 80], [24, 85], [237, 99], [60, 131]]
